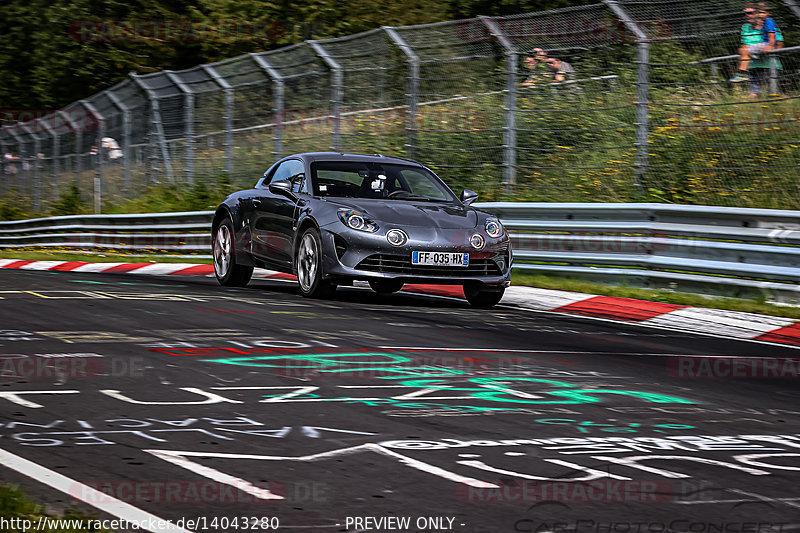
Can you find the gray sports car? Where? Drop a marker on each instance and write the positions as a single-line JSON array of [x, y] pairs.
[[332, 218]]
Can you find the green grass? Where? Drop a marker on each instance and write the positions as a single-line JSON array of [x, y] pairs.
[[15, 506], [517, 278]]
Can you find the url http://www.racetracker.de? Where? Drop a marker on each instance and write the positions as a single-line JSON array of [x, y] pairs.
[[151, 524]]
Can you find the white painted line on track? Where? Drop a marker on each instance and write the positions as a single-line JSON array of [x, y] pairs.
[[739, 500], [501, 351], [766, 499], [87, 494]]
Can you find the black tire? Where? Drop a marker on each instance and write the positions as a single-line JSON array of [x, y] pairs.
[[308, 266], [483, 298], [223, 249], [385, 286]]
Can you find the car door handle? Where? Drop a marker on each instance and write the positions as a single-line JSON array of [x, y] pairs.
[[256, 202]]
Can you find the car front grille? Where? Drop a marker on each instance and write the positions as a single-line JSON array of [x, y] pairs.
[[401, 264]]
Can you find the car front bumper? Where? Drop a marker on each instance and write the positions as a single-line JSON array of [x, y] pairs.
[[356, 255]]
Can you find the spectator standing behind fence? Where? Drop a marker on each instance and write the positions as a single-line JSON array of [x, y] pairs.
[[10, 159], [111, 148], [760, 68], [758, 35], [538, 68], [560, 70]]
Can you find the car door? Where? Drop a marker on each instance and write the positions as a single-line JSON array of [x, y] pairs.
[[274, 216]]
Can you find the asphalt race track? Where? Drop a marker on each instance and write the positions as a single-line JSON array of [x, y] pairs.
[[255, 409]]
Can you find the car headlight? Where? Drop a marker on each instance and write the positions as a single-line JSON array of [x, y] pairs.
[[396, 237], [357, 220], [493, 227], [477, 241]]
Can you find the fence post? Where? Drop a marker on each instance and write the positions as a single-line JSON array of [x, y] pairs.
[[157, 125], [793, 7], [642, 93], [37, 147], [228, 90], [21, 155], [55, 153], [336, 93], [278, 88], [188, 106], [773, 74], [510, 126], [101, 132], [126, 137], [4, 179], [78, 141], [413, 89]]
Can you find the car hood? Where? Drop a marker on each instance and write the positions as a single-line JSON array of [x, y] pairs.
[[410, 214]]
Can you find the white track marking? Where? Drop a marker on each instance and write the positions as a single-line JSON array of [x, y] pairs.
[[500, 352], [41, 265], [180, 458], [739, 500], [95, 267], [785, 501], [161, 268], [85, 493], [542, 299], [721, 322]]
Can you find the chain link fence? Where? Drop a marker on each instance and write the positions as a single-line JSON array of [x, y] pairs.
[[645, 112]]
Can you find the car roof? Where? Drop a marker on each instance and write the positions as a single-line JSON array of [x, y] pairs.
[[361, 158]]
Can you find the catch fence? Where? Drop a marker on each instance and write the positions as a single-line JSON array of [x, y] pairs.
[[648, 115]]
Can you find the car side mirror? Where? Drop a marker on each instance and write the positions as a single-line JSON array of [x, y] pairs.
[[468, 196], [283, 188]]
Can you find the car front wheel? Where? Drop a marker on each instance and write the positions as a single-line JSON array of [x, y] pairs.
[[308, 265], [228, 273], [481, 297]]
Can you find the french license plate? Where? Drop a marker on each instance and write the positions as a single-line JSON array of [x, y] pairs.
[[453, 259]]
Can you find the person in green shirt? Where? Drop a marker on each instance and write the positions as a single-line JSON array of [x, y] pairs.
[[759, 34]]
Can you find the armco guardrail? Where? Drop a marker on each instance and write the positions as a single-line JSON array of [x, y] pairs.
[[712, 250], [187, 232]]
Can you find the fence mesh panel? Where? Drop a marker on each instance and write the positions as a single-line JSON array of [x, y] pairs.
[[636, 105]]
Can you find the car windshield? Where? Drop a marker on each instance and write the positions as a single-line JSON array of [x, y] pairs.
[[354, 179]]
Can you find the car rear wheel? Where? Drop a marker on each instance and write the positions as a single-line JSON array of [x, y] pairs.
[[308, 264], [385, 286], [481, 297], [227, 271]]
